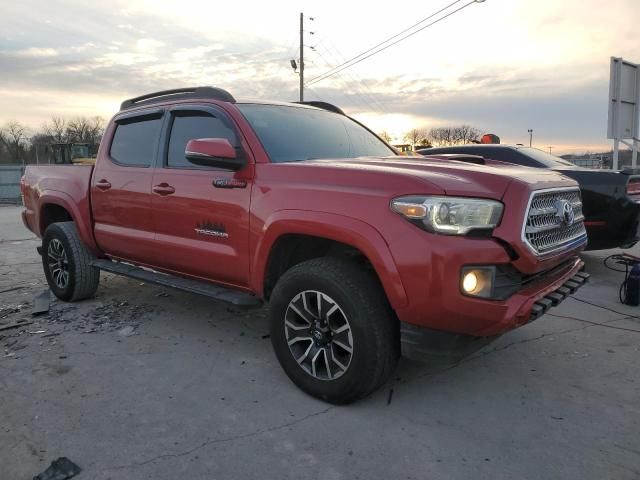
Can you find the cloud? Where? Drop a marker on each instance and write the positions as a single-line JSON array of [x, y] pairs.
[[500, 65], [196, 53], [148, 44], [33, 52]]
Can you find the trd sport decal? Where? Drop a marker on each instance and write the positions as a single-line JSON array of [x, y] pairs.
[[229, 183], [212, 229]]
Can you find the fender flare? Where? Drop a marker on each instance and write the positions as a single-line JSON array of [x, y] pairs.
[[80, 215], [347, 230]]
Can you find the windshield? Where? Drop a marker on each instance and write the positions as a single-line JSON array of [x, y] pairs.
[[291, 134], [545, 158]]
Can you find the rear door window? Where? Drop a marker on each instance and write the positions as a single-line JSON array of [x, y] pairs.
[[135, 141]]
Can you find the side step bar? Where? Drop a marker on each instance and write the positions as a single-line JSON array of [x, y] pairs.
[[216, 292], [554, 298]]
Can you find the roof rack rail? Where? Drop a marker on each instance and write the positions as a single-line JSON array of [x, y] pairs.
[[323, 105], [179, 94]]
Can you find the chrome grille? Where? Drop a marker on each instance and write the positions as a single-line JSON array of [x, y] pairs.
[[546, 229]]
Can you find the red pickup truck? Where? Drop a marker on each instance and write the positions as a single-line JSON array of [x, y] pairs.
[[363, 255]]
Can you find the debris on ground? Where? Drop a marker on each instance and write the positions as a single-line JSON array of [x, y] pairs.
[[60, 469], [95, 317], [12, 289], [21, 322], [103, 317], [6, 310], [127, 331], [41, 303]]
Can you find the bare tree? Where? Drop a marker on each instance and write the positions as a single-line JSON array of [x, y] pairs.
[[441, 136], [446, 136], [464, 134], [85, 130], [77, 129], [385, 136], [425, 142], [15, 136], [15, 132], [415, 136], [96, 130], [4, 148], [56, 129]]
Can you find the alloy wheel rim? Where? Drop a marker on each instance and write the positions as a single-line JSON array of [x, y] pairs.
[[58, 263], [319, 335]]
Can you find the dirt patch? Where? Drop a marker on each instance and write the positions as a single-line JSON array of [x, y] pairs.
[[85, 317]]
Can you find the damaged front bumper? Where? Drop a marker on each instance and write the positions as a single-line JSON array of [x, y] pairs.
[[528, 304], [555, 297]]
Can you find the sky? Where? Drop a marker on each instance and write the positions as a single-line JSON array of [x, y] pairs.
[[502, 66]]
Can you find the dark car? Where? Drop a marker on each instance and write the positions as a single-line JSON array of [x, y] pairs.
[[611, 199]]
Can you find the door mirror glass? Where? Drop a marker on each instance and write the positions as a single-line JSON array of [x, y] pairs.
[[213, 152]]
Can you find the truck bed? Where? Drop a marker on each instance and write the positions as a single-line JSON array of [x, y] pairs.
[[64, 185]]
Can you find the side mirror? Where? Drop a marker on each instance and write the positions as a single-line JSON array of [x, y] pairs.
[[213, 152]]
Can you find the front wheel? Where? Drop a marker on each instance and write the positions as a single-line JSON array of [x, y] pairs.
[[332, 329], [67, 263]]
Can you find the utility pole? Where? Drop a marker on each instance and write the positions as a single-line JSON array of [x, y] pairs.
[[530, 131], [301, 57]]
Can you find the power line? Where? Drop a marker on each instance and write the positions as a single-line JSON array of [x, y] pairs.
[[366, 97], [391, 38], [358, 99], [359, 58], [354, 76], [368, 103]]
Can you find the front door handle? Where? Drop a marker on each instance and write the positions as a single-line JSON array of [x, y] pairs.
[[103, 184], [163, 189]]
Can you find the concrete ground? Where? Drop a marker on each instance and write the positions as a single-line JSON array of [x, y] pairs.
[[143, 382]]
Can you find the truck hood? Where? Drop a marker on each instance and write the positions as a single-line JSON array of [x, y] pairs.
[[449, 177]]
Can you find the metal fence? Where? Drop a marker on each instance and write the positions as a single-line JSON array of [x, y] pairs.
[[10, 183]]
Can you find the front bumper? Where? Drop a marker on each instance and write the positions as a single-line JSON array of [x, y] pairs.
[[425, 344], [555, 297], [431, 279]]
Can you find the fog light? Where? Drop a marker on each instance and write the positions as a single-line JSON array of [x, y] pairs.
[[477, 281], [470, 282]]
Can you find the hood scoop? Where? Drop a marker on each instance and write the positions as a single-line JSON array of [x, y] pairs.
[[460, 157]]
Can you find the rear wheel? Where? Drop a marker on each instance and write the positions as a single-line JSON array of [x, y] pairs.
[[67, 263], [332, 329]]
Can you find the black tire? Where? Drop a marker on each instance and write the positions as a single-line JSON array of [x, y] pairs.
[[82, 278], [373, 326]]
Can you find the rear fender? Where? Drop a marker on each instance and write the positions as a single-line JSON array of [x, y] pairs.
[[80, 213], [349, 231]]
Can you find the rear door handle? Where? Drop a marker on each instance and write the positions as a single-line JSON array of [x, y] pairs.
[[163, 189], [103, 184]]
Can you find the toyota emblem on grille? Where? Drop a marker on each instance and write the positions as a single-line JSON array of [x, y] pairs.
[[564, 211]]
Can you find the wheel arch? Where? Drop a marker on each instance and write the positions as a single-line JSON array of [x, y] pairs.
[[323, 233], [59, 207]]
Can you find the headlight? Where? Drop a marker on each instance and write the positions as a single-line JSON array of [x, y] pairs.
[[449, 215]]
